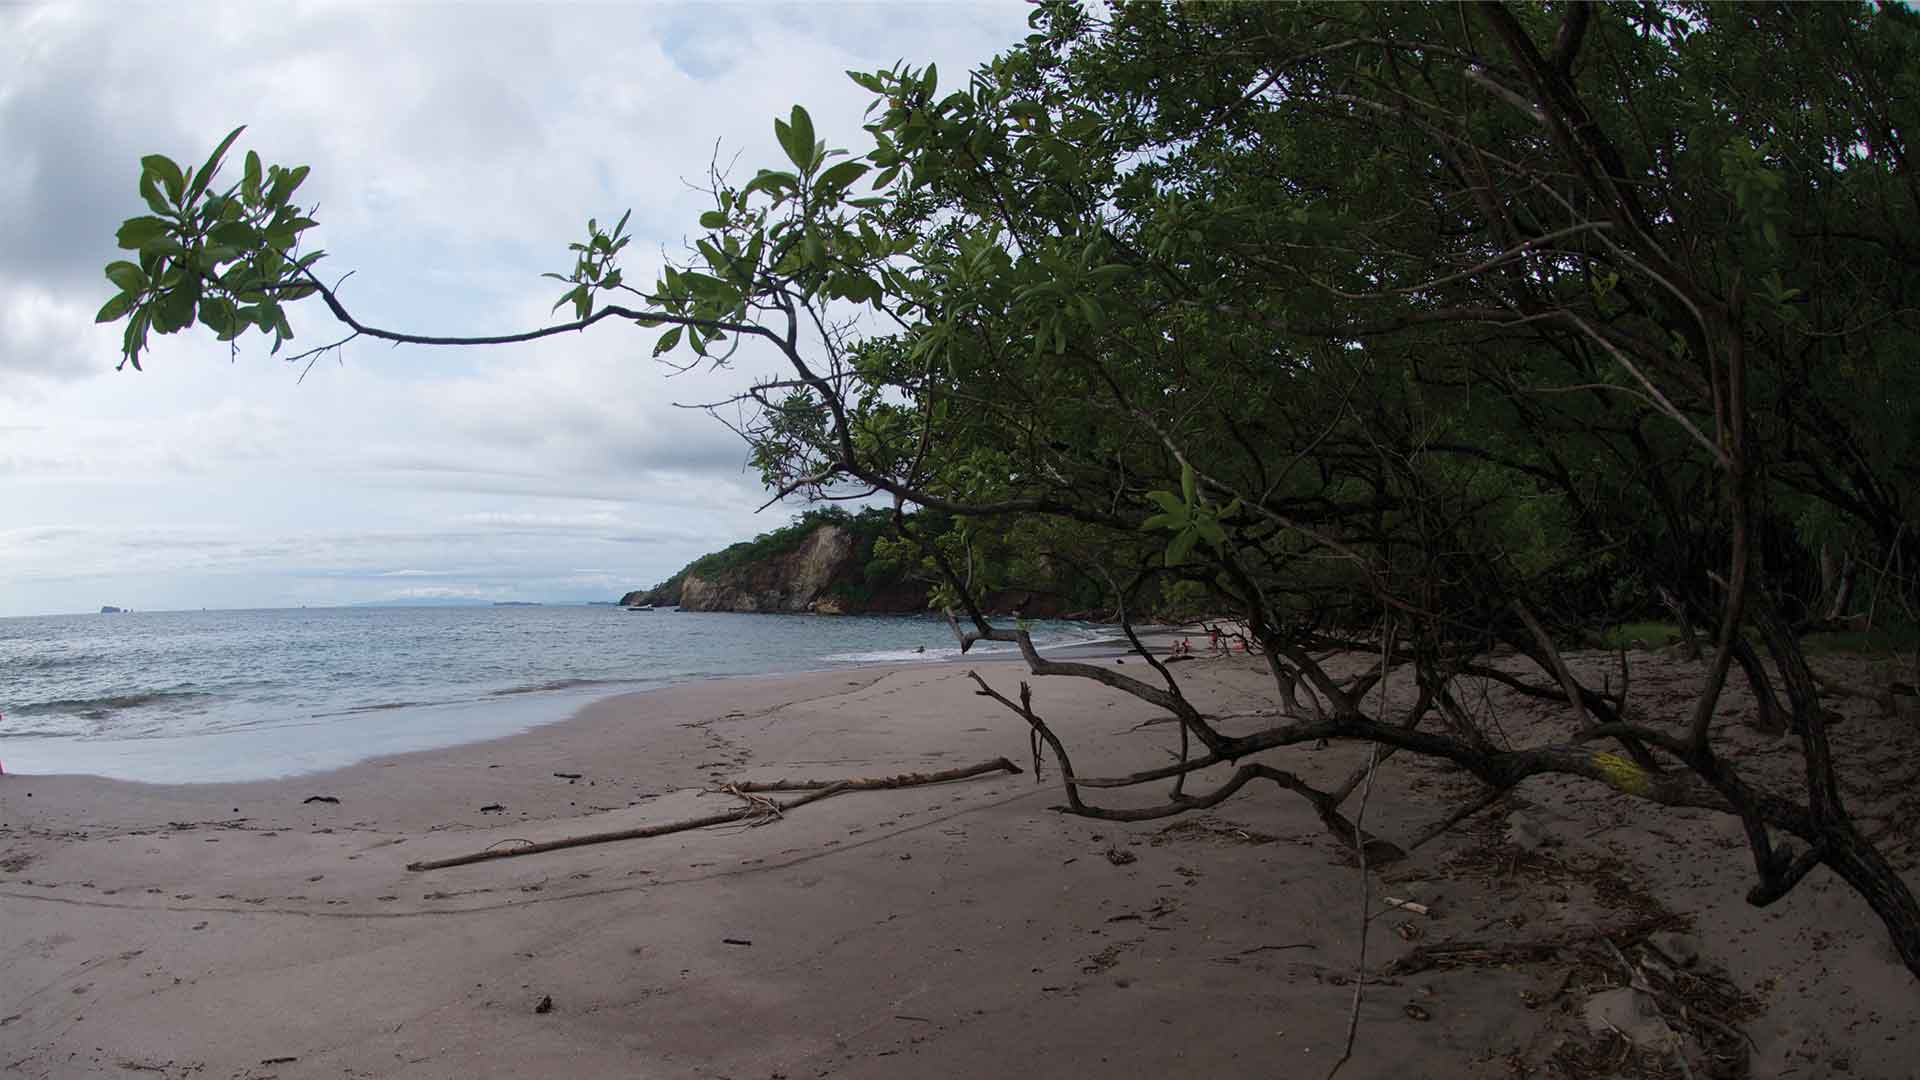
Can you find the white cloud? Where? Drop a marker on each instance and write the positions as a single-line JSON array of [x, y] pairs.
[[456, 150]]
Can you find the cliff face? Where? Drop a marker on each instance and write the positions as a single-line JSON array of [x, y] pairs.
[[825, 574], [793, 582]]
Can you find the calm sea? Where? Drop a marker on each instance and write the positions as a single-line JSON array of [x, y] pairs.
[[183, 697]]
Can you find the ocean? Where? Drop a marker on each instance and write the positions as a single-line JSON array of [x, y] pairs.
[[205, 696]]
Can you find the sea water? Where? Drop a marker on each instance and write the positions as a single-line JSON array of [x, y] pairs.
[[184, 697]]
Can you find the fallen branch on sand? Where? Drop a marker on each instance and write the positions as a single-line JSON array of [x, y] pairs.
[[816, 790]]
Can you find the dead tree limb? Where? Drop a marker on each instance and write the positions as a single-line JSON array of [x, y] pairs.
[[816, 790], [1040, 730], [881, 783]]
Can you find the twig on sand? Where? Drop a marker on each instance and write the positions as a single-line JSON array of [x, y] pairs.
[[816, 790], [880, 783], [1275, 948], [1360, 859]]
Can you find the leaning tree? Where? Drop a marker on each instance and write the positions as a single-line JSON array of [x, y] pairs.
[[1409, 332]]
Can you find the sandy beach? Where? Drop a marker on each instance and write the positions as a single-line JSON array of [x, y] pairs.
[[961, 929]]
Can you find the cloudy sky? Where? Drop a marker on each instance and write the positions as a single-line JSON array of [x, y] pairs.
[[457, 148]]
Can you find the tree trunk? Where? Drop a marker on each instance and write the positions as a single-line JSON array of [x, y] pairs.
[[1861, 865]]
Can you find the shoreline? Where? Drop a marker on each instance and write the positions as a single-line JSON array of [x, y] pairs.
[[326, 739], [956, 930]]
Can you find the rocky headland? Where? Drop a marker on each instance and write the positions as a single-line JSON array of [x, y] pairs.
[[824, 568]]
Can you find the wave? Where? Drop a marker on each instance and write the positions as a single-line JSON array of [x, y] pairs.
[[891, 656], [53, 663], [379, 707], [557, 684], [36, 733], [98, 708], [952, 652]]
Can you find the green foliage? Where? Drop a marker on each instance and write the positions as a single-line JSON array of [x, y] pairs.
[[596, 267], [227, 258], [1306, 308], [1651, 635], [1189, 518]]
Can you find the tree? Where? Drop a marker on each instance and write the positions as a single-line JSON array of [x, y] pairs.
[[1404, 330]]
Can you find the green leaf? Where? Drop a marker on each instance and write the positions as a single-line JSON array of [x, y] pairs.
[[162, 168], [710, 289], [1187, 485], [783, 132], [667, 341], [843, 175], [1181, 546], [216, 314], [284, 183], [127, 276], [801, 150], [1090, 311], [1163, 521], [1167, 502], [238, 234], [250, 182], [713, 219], [775, 184], [212, 166], [175, 310], [115, 308], [150, 191], [139, 232]]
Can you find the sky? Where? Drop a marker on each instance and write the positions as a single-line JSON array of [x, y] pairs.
[[456, 150]]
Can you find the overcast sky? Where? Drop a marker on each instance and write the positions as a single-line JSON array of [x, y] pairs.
[[456, 150]]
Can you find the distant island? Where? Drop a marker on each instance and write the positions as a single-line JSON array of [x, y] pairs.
[[109, 609], [515, 603]]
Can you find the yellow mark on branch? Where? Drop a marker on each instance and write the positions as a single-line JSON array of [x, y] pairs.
[[1623, 774]]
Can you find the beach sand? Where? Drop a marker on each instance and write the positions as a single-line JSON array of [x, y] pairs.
[[963, 929]]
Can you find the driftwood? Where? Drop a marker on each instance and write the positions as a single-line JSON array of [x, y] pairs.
[[816, 790], [883, 782]]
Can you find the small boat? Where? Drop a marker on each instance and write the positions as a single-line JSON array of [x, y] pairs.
[[641, 607]]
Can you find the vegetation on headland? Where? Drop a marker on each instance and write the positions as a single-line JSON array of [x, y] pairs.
[[882, 572], [764, 548], [1412, 329]]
